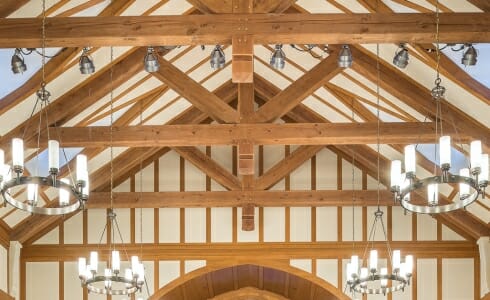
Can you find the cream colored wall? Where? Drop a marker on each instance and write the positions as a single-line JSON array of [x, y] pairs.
[[160, 273], [3, 269]]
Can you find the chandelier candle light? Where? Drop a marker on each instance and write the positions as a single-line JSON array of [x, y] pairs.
[[72, 196], [474, 178]]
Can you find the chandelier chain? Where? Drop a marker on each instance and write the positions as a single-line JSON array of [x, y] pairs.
[[43, 32], [111, 127], [378, 122], [353, 183]]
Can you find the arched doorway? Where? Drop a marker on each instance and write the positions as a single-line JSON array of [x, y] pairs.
[[249, 281]]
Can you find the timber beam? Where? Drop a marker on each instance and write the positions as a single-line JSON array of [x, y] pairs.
[[265, 29], [258, 198], [258, 134], [420, 249]]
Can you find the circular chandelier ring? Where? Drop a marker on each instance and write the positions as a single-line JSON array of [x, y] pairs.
[[130, 289], [449, 179], [401, 283], [42, 181]]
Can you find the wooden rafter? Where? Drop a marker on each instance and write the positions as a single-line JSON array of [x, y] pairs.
[[484, 5], [266, 29], [238, 198], [196, 93], [421, 249], [460, 221], [9, 6], [418, 97], [297, 91], [209, 167]]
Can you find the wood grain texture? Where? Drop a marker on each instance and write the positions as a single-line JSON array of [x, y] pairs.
[[266, 29]]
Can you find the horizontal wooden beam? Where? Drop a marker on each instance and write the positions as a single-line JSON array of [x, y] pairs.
[[420, 249], [265, 29], [258, 134], [239, 198]]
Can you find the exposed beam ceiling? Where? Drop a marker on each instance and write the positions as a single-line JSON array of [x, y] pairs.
[[265, 28], [239, 198], [9, 6], [259, 134]]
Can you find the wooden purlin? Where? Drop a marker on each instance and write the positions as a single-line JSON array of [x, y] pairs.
[[7, 7], [265, 28]]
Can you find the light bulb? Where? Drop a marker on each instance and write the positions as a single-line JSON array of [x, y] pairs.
[[128, 274], [364, 273], [82, 173], [396, 171], [396, 260], [82, 266], [464, 188], [410, 161], [433, 194], [64, 194], [18, 153], [141, 273], [2, 157], [134, 264], [94, 261], [445, 152], [32, 193], [108, 281], [348, 272], [483, 178], [355, 265], [403, 270], [116, 261], [373, 261], [54, 156], [409, 264], [88, 273], [384, 281], [475, 156]]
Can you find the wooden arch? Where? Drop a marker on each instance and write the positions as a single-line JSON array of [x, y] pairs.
[[215, 280]]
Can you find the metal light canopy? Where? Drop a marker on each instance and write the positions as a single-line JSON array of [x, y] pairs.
[[366, 277], [401, 57], [151, 61], [470, 56], [72, 196], [86, 63], [17, 62], [112, 281], [278, 58], [217, 59], [345, 57]]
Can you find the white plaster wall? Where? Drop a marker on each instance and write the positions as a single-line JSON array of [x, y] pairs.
[[3, 269], [169, 231], [42, 282], [327, 269], [73, 229], [168, 270], [426, 228], [221, 224], [274, 224], [401, 224], [427, 279], [145, 217], [300, 224], [458, 279], [326, 224], [195, 225], [72, 288], [97, 219], [326, 161]]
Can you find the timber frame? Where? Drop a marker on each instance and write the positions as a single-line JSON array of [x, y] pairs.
[[247, 112]]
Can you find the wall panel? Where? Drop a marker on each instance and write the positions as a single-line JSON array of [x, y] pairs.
[[147, 216], [326, 162], [426, 228], [195, 225], [274, 224], [326, 224], [300, 224], [327, 270], [3, 269], [457, 279], [427, 279], [169, 172], [168, 271], [169, 229], [42, 280], [221, 224], [72, 289], [73, 229], [97, 220]]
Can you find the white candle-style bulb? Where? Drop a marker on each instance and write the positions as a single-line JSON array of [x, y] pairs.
[[475, 154], [445, 151], [464, 188], [348, 271], [410, 162], [86, 189], [433, 194], [64, 194], [134, 264], [7, 175], [88, 273], [373, 260], [94, 261], [403, 270], [396, 260], [2, 157], [116, 261], [384, 272], [32, 192], [141, 272], [354, 264], [128, 274], [82, 266], [396, 171], [107, 274], [409, 264], [54, 154], [82, 172], [18, 152], [483, 178], [364, 273]]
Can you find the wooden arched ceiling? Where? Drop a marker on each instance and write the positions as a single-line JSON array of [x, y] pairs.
[[247, 278]]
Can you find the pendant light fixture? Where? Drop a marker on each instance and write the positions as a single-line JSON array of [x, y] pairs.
[[472, 180], [112, 281], [366, 276], [73, 193]]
